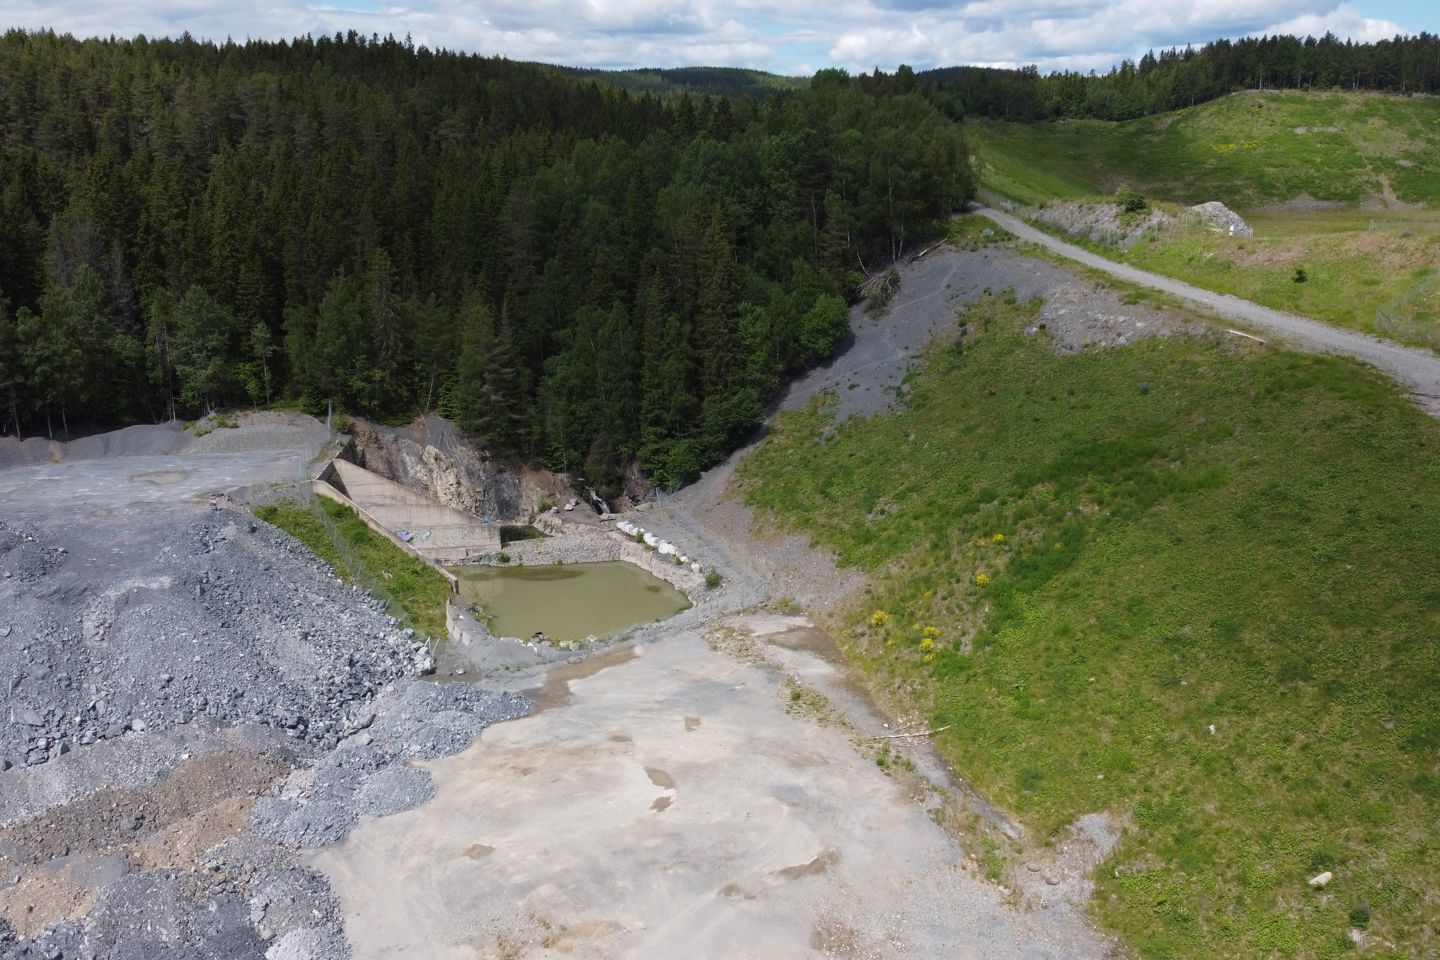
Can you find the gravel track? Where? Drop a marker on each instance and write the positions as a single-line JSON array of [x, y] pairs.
[[1418, 370]]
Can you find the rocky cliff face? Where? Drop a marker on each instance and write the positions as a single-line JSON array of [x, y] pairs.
[[432, 456]]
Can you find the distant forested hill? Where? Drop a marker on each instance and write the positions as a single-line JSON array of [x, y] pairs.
[[708, 81], [576, 273], [1182, 78]]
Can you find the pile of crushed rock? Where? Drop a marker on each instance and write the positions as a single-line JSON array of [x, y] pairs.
[[210, 616], [191, 698], [1103, 223], [1220, 217]]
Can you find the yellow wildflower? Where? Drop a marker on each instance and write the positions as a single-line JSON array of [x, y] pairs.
[[879, 618], [982, 578]]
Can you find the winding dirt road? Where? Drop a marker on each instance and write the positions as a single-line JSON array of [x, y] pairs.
[[1418, 370]]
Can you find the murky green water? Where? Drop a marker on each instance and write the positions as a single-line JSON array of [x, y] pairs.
[[568, 602]]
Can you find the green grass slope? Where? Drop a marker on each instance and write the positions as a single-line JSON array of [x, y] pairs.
[[1332, 183], [1116, 553], [1246, 150], [335, 534]]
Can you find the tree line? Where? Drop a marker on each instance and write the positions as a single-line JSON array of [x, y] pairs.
[[1180, 78], [579, 275]]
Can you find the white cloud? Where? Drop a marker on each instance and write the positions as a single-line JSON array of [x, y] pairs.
[[1344, 21], [787, 36]]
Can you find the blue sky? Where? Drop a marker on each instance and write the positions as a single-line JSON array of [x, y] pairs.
[[785, 36]]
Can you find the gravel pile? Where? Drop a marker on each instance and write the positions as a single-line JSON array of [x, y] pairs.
[[1104, 223], [250, 895], [214, 615], [295, 704], [370, 775], [1222, 218]]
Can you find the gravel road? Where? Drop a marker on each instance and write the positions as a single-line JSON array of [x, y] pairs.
[[1419, 370]]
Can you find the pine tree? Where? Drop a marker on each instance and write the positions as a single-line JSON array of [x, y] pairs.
[[382, 303], [729, 408], [158, 311], [11, 374]]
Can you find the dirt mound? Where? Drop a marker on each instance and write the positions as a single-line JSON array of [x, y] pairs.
[[226, 433], [1220, 217], [141, 440], [15, 452], [262, 430], [254, 628], [1104, 223]]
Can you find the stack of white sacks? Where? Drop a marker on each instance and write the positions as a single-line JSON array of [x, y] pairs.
[[663, 547]]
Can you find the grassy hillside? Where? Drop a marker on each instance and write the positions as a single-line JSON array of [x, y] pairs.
[[361, 556], [1085, 565], [1332, 184], [1246, 150], [1369, 271]]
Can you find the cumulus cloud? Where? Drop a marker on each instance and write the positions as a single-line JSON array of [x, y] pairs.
[[1344, 21], [788, 36]]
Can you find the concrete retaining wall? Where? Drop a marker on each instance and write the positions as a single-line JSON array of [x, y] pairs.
[[323, 487], [577, 543], [439, 533]]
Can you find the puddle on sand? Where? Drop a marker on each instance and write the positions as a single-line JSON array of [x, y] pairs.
[[569, 601], [555, 690], [814, 868], [160, 477], [479, 851], [660, 778]]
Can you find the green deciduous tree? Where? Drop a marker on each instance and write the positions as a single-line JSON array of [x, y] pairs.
[[200, 342]]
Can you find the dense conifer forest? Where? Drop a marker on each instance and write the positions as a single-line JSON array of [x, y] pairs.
[[578, 274], [1182, 78]]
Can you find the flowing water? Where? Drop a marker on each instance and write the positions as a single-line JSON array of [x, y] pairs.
[[569, 601]]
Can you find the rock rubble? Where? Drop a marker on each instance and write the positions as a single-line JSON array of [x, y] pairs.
[[240, 703]]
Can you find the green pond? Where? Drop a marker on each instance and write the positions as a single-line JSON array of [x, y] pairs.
[[569, 601]]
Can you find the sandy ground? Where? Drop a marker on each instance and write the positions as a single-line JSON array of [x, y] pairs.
[[665, 804]]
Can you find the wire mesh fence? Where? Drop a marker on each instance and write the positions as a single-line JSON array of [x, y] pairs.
[[1414, 316], [1120, 236], [349, 564], [1404, 226]]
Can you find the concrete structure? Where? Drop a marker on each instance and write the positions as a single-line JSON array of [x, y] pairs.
[[418, 523]]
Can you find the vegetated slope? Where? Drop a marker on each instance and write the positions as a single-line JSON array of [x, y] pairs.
[[1331, 183], [1246, 150], [572, 272], [1367, 270], [1185, 581], [368, 559], [702, 81]]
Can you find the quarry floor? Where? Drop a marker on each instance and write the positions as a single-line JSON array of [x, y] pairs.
[[710, 790]]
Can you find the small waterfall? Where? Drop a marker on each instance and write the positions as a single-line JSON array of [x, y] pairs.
[[595, 498]]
